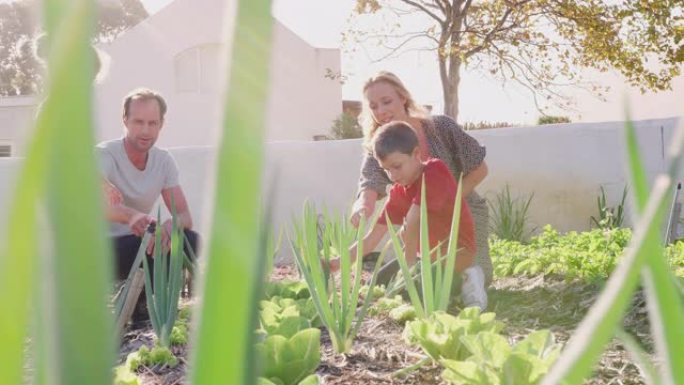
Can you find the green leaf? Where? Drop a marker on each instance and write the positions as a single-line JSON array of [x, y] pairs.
[[123, 376], [226, 317], [311, 380], [487, 347], [462, 372], [403, 313], [290, 360]]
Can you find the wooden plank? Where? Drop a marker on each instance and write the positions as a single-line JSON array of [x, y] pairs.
[[137, 284]]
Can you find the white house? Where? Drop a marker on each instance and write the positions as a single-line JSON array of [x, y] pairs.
[[179, 51]]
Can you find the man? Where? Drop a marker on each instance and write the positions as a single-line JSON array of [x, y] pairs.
[[137, 173]]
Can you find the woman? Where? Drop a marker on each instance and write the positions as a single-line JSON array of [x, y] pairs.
[[386, 99]]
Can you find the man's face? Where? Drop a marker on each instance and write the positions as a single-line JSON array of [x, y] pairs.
[[143, 124], [403, 169]]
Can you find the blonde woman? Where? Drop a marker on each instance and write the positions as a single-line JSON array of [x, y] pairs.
[[386, 99]]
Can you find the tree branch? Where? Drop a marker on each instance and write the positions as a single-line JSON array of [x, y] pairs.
[[424, 9]]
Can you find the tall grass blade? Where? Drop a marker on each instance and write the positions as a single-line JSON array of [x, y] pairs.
[[602, 319], [223, 346], [452, 249], [664, 302], [84, 349], [425, 261], [405, 271]]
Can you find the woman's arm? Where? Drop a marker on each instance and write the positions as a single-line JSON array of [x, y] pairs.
[[474, 178], [372, 184]]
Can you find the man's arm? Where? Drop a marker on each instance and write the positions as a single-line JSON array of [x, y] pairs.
[[116, 211], [182, 214], [182, 209]]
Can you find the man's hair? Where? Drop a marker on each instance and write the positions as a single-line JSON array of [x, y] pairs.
[[144, 94], [394, 137]]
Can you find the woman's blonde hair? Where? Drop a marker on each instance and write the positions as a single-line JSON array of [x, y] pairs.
[[368, 123]]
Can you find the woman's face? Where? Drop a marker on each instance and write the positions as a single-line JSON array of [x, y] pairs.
[[385, 103]]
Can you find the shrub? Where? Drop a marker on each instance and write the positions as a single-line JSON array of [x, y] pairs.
[[548, 119], [346, 126]]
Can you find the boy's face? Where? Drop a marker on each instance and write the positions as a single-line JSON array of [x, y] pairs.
[[403, 169]]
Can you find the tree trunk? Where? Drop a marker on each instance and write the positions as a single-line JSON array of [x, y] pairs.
[[450, 83]]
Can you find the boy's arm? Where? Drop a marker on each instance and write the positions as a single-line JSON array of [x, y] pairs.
[[410, 234], [370, 242]]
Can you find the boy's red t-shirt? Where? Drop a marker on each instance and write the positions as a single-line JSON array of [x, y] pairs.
[[440, 196]]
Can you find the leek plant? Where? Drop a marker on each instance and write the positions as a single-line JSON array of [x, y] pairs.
[[510, 216], [643, 257], [609, 217], [435, 290], [164, 291], [336, 306]]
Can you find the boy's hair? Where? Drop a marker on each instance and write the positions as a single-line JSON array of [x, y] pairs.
[[394, 137]]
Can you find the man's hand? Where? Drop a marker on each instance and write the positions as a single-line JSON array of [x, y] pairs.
[[138, 223], [166, 231]]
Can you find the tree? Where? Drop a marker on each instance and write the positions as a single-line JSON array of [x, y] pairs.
[[20, 70], [540, 44], [346, 126]]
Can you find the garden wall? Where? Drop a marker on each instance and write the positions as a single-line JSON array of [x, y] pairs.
[[562, 165]]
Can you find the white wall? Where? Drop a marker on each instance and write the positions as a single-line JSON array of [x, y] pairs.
[[16, 116], [564, 165]]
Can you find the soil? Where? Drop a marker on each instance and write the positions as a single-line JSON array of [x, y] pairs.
[[523, 304]]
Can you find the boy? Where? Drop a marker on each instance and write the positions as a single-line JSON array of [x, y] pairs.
[[396, 147]]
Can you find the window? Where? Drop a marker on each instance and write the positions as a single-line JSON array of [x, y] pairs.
[[5, 150], [197, 69]]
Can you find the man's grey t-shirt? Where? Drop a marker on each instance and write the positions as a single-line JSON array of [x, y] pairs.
[[140, 188]]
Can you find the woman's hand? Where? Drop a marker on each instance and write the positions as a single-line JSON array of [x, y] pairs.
[[364, 206]]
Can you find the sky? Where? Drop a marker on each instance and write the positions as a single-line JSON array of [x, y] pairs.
[[321, 22]]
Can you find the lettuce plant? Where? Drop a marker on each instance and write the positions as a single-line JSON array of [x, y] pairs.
[[440, 335], [288, 361], [283, 307], [493, 362], [336, 306], [287, 289], [311, 380], [124, 376], [158, 355]]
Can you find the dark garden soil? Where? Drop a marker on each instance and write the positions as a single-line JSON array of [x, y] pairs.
[[523, 304]]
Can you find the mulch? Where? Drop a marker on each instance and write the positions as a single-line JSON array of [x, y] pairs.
[[523, 304]]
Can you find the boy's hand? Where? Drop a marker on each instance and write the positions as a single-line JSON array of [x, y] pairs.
[[332, 265], [364, 206]]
